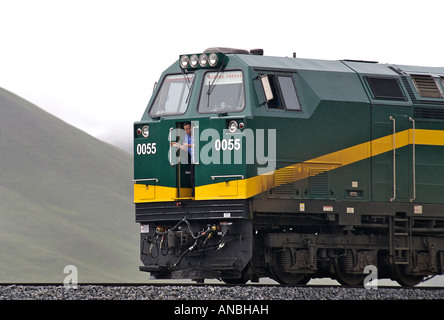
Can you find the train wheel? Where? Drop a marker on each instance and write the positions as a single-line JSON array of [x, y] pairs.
[[343, 266], [404, 279], [280, 260]]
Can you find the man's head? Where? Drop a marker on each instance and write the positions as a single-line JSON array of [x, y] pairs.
[[187, 128]]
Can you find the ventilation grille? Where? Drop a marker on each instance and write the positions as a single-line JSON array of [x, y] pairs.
[[417, 101], [428, 113], [319, 181], [283, 183], [426, 86], [385, 88]]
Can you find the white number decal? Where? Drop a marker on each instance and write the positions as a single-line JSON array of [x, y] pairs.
[[225, 144], [146, 148]]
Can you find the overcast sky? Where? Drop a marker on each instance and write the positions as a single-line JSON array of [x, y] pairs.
[[93, 63]]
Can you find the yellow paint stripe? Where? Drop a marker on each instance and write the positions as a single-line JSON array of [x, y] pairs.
[[429, 137], [246, 188], [151, 193], [234, 189]]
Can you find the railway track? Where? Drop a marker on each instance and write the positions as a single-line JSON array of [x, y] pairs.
[[196, 292]]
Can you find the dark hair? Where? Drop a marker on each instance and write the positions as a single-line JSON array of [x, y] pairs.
[[187, 124]]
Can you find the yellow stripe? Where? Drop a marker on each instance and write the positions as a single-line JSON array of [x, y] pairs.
[[150, 193], [429, 137], [246, 188], [234, 189]]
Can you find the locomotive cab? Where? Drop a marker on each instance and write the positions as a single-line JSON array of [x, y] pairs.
[[189, 190]]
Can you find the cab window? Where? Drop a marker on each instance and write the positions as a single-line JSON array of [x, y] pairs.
[[222, 92], [173, 95], [280, 92], [289, 95]]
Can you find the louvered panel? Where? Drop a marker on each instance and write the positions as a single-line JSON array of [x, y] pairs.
[[283, 182], [283, 176], [426, 86], [319, 181]]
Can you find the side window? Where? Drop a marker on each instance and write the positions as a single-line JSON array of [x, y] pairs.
[[280, 92], [289, 94], [385, 88], [270, 87]]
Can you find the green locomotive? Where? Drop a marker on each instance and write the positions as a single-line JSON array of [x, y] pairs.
[[249, 166]]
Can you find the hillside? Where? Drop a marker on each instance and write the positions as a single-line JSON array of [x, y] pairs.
[[65, 199]]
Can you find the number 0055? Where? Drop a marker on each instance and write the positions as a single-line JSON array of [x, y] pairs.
[[225, 144], [146, 148]]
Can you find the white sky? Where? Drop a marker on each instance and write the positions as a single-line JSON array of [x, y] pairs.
[[93, 63]]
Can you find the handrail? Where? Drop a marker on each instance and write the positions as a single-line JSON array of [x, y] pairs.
[[228, 176], [193, 160], [394, 159], [414, 160], [142, 180], [169, 141]]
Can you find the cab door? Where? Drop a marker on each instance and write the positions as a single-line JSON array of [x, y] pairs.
[[182, 158]]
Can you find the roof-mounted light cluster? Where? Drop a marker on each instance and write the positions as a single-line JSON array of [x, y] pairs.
[[202, 60]]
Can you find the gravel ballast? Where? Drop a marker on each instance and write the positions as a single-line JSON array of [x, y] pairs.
[[210, 292]]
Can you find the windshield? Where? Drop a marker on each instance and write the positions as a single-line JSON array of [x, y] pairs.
[[222, 92], [173, 96]]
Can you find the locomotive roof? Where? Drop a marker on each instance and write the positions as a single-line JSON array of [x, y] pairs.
[[347, 66]]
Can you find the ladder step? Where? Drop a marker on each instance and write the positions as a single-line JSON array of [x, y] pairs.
[[400, 241]]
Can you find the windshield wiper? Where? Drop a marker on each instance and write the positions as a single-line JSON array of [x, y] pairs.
[[211, 85], [187, 81], [185, 76]]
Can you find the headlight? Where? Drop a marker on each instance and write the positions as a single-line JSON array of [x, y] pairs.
[[213, 59], [145, 131], [232, 127], [203, 60], [194, 60], [184, 61]]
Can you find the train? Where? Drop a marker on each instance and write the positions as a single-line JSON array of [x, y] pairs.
[[249, 166]]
